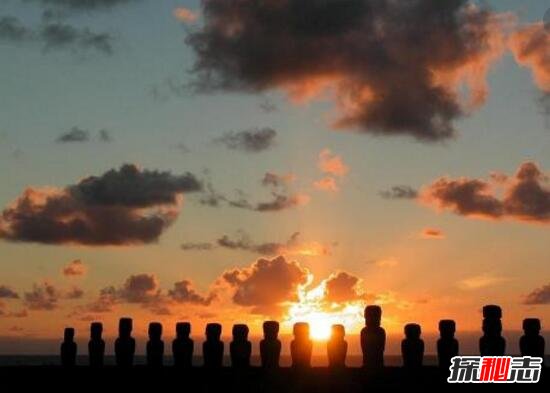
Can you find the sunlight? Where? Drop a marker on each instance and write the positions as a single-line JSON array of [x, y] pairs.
[[320, 315]]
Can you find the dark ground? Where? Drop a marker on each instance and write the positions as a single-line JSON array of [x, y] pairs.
[[315, 380]]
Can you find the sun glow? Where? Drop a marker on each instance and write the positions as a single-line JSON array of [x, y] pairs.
[[321, 315]]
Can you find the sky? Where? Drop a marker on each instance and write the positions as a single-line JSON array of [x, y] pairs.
[[238, 161]]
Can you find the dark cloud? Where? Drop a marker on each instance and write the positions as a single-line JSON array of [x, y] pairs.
[[293, 246], [75, 134], [75, 268], [139, 288], [11, 29], [183, 292], [105, 136], [74, 293], [271, 179], [253, 140], [62, 36], [123, 206], [43, 297], [393, 67], [399, 192], [204, 246], [7, 293], [539, 296], [267, 286], [280, 202], [525, 196], [83, 5], [342, 287], [432, 233]]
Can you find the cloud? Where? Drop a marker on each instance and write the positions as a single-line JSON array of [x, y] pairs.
[[123, 206], [332, 164], [105, 136], [271, 179], [7, 293], [190, 246], [75, 268], [253, 140], [484, 280], [432, 233], [280, 202], [55, 35], [11, 29], [139, 288], [74, 293], [525, 196], [326, 184], [83, 5], [43, 297], [538, 296], [185, 15], [293, 246], [268, 285], [183, 292], [74, 135], [399, 192], [342, 287], [391, 67], [531, 48]]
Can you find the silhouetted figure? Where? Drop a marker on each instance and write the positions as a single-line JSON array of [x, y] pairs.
[[155, 345], [125, 344], [447, 345], [492, 343], [212, 348], [301, 346], [532, 343], [182, 346], [68, 349], [270, 346], [373, 339], [96, 345], [412, 347], [337, 347], [240, 348]]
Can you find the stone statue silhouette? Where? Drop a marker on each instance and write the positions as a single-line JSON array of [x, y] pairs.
[[68, 348], [301, 346], [155, 345], [182, 346], [270, 346], [337, 347], [532, 343], [492, 343], [373, 339], [240, 348], [412, 347], [212, 348], [447, 345], [96, 345], [125, 344]]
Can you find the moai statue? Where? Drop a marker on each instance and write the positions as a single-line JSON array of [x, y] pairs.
[[532, 343], [447, 345], [373, 339], [270, 346], [125, 344], [240, 348], [68, 349], [212, 348], [96, 345], [412, 347], [155, 345], [492, 343], [337, 347], [301, 346], [182, 346]]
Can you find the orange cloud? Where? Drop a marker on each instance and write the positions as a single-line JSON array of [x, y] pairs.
[[75, 268], [185, 15], [432, 233], [525, 196], [326, 184], [332, 164], [531, 48]]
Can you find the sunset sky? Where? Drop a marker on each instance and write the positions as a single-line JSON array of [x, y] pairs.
[[243, 160]]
